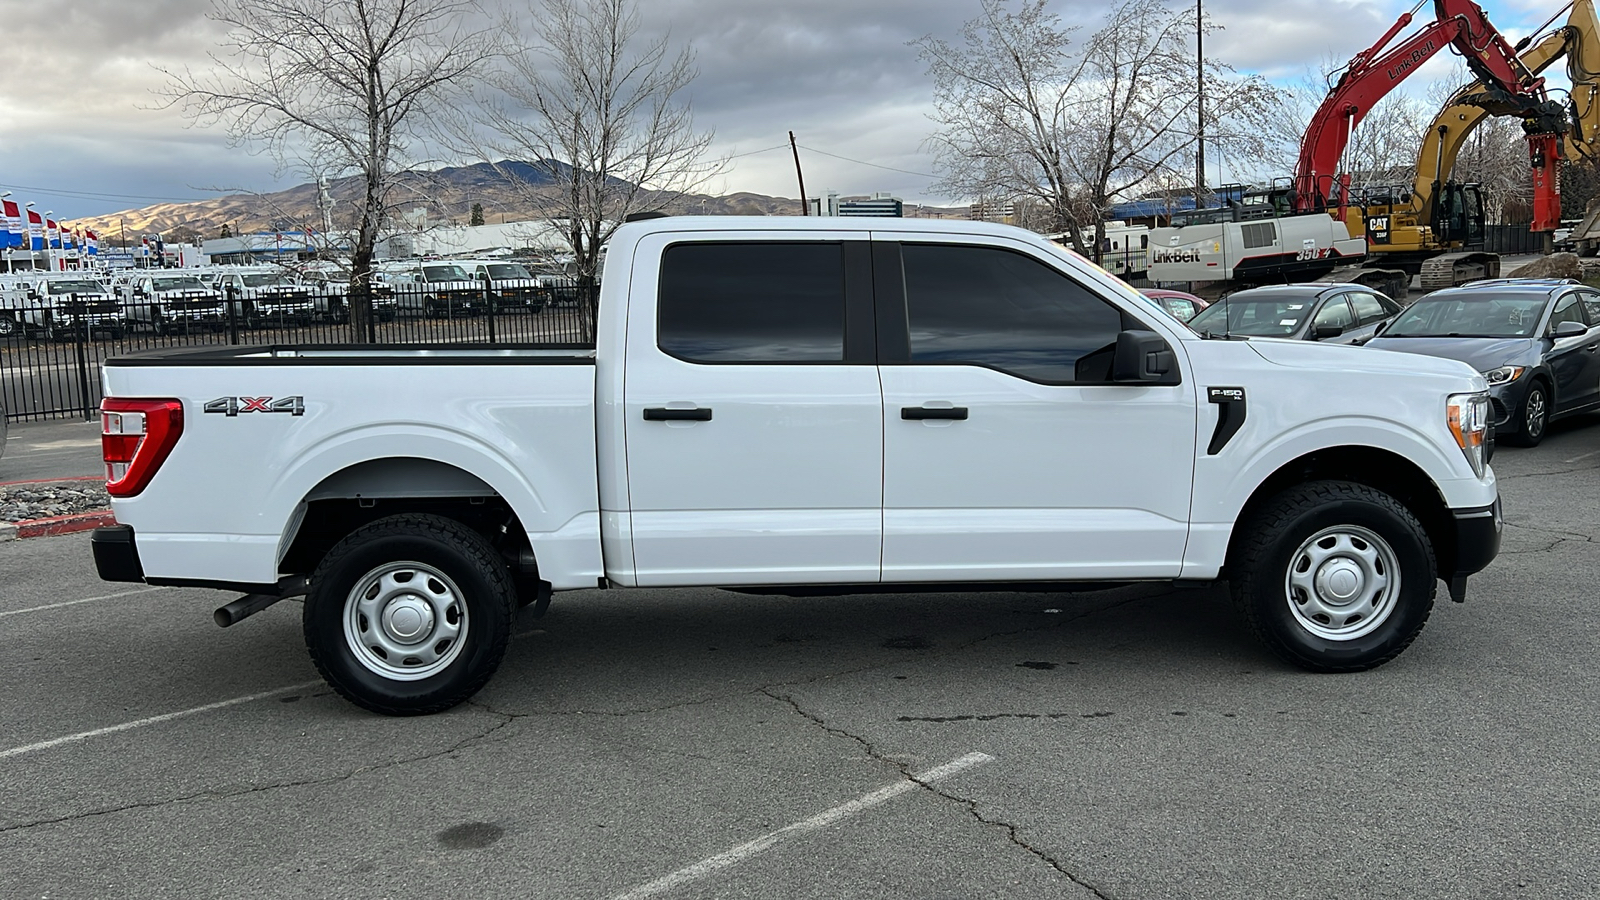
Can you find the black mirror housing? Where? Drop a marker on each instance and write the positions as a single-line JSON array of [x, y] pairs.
[[1568, 329], [1144, 357], [1324, 332]]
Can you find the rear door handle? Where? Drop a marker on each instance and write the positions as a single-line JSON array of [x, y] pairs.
[[664, 414], [924, 412]]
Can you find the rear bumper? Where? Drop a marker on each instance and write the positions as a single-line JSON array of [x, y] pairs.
[[1478, 533], [116, 556]]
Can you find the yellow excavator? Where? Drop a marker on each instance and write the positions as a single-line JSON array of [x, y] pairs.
[[1434, 227]]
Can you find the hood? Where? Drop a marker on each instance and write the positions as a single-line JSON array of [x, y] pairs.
[[1350, 358], [1481, 354]]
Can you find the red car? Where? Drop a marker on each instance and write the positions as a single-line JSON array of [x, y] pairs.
[[1182, 306]]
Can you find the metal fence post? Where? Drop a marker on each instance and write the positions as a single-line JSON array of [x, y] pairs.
[[80, 325], [488, 299], [228, 294]]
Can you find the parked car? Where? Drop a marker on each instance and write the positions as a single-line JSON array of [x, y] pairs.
[[1536, 341], [329, 283], [57, 305], [265, 295], [433, 288], [172, 301], [1181, 305], [510, 284], [1334, 313]]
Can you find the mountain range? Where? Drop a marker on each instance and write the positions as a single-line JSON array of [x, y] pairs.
[[447, 195]]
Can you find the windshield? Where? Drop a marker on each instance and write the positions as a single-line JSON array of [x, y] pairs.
[[74, 287], [183, 283], [328, 275], [266, 279], [1470, 315], [508, 270], [1259, 316], [444, 273]]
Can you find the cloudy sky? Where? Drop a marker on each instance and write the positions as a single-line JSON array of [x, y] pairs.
[[81, 134]]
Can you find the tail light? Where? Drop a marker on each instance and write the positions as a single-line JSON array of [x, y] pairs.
[[136, 435]]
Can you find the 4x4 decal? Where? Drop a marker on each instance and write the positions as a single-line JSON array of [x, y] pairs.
[[232, 406]]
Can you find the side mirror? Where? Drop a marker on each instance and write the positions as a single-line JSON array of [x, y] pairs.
[[1144, 357], [1568, 329], [1324, 332]]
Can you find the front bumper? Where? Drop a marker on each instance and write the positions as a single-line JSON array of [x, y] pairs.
[[1478, 533]]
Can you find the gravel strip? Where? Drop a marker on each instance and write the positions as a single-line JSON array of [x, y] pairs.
[[21, 502]]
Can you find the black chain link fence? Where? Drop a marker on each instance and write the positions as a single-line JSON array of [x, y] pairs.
[[51, 349]]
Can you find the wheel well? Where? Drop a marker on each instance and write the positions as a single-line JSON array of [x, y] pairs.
[[1382, 470], [376, 489]]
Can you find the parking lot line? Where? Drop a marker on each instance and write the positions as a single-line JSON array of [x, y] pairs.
[[1583, 456], [820, 820], [152, 720], [18, 612]]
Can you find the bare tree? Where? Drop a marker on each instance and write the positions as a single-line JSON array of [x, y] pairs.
[[337, 87], [598, 114], [1383, 149], [1022, 112]]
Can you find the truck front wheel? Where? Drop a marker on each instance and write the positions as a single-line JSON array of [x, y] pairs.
[[409, 615], [1334, 576]]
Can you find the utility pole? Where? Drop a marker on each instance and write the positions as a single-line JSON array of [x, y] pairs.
[[805, 205], [1200, 102]]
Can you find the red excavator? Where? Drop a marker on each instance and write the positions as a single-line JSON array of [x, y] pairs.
[[1302, 230]]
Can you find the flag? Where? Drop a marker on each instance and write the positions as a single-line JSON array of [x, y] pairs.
[[35, 231], [53, 233], [15, 235], [92, 241]]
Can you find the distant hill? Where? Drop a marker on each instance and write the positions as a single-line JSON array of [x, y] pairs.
[[447, 194]]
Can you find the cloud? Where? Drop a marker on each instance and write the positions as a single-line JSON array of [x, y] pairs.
[[839, 73]]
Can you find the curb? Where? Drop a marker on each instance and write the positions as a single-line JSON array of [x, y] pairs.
[[6, 484], [56, 525]]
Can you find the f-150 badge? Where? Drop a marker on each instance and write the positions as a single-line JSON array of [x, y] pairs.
[[233, 406]]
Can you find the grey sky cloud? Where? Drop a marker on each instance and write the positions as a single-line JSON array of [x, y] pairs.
[[87, 137]]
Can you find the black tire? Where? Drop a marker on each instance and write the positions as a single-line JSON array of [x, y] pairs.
[[1532, 418], [1370, 538], [475, 597], [8, 327]]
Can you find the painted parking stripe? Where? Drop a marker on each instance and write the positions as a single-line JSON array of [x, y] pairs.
[[820, 820], [152, 720], [18, 612]]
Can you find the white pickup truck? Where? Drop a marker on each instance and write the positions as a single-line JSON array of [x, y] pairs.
[[800, 404]]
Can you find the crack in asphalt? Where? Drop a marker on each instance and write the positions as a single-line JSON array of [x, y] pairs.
[[970, 805], [464, 743]]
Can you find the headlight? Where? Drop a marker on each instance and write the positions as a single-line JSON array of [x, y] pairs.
[[1504, 374], [1468, 418]]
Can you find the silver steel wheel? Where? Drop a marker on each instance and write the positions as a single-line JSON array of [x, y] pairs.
[[405, 620], [1343, 583], [1535, 414]]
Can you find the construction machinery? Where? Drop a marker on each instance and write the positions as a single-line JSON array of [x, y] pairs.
[[1434, 227], [1316, 224]]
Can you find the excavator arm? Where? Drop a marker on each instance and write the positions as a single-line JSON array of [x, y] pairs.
[[1508, 86]]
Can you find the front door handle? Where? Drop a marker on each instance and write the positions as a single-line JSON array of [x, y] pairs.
[[923, 412], [664, 414]]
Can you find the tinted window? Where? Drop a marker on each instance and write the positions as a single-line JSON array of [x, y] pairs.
[[1260, 315], [1591, 302], [992, 307], [1568, 309], [1470, 314], [1333, 312], [756, 302], [1368, 308]]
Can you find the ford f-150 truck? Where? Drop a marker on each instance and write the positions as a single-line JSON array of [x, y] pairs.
[[800, 405]]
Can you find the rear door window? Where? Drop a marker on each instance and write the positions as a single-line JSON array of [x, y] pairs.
[[1368, 308], [755, 302]]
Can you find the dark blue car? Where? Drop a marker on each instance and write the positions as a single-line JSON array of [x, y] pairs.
[[1537, 341]]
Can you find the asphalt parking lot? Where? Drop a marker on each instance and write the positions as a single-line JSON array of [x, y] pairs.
[[1132, 743]]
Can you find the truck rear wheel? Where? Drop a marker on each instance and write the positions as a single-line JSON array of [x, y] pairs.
[[1334, 576], [409, 615]]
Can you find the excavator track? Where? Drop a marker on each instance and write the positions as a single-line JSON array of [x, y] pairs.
[[1456, 269], [1395, 283]]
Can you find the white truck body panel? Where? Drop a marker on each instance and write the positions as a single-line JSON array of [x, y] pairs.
[[806, 473]]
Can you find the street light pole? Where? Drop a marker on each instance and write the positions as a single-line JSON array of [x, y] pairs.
[[1200, 102]]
